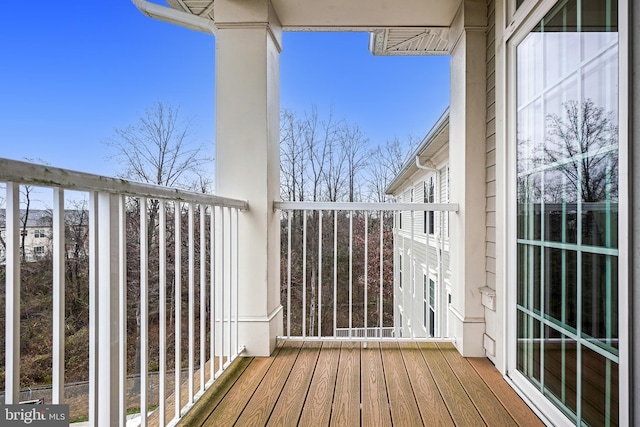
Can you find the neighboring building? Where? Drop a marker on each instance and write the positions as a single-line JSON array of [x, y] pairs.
[[422, 285], [38, 233]]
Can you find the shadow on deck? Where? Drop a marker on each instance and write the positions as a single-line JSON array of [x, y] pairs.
[[348, 384]]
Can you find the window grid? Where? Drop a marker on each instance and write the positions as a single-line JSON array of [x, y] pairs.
[[558, 244]]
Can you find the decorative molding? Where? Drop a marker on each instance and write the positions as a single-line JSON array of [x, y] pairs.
[[268, 318], [463, 319]]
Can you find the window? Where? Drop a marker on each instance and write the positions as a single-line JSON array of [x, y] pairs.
[[425, 304], [432, 307], [38, 234], [429, 197], [38, 250]]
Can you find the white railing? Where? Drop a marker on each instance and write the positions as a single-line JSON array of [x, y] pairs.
[[365, 271], [152, 231]]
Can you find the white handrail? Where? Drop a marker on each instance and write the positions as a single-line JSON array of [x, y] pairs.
[[48, 176], [357, 206]]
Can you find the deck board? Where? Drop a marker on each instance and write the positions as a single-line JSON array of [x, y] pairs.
[[259, 407], [430, 403], [404, 409], [317, 408], [349, 383], [460, 406], [516, 407], [375, 403], [230, 408], [289, 406], [490, 409], [346, 408]]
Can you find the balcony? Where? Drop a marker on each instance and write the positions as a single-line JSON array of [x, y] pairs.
[[362, 340], [353, 383]]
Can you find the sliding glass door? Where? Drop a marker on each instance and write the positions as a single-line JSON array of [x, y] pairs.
[[566, 82]]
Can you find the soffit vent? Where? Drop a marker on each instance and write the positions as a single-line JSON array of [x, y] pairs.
[[202, 8], [409, 41]]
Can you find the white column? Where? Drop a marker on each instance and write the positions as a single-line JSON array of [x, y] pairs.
[[248, 44], [467, 176]]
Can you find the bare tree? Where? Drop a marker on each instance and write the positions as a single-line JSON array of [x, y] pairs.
[[354, 148], [157, 149], [583, 142], [385, 164], [293, 157]]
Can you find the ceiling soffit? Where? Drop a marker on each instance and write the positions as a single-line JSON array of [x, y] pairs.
[[397, 27]]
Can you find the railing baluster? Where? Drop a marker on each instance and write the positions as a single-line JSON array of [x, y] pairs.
[[231, 279], [237, 283], [122, 306], [57, 391], [412, 278], [335, 272], [144, 311], [12, 307], [366, 271], [212, 293], [203, 297], [222, 285], [93, 308], [319, 274], [381, 271], [304, 274], [178, 305], [350, 274], [289, 216], [192, 303], [162, 288], [425, 290]]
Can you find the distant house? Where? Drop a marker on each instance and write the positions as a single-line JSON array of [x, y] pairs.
[[422, 276], [38, 233]]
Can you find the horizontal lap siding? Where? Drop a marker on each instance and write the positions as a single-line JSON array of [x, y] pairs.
[[491, 150], [491, 169]]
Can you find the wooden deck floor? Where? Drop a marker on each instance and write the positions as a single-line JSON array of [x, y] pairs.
[[346, 384]]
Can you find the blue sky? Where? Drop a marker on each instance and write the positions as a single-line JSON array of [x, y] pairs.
[[71, 72]]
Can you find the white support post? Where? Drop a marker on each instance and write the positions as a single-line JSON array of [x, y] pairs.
[[467, 152], [108, 256], [12, 302], [248, 45], [57, 391]]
